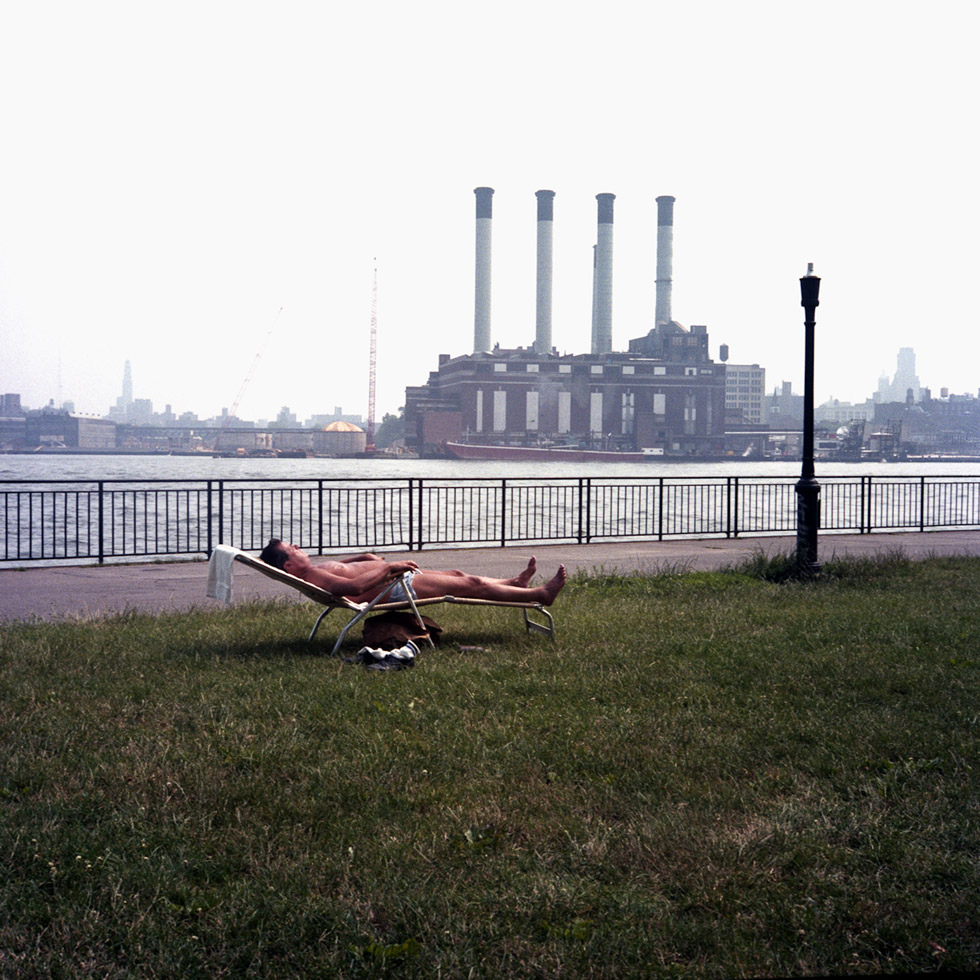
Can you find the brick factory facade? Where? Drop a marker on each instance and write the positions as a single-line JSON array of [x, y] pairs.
[[663, 393]]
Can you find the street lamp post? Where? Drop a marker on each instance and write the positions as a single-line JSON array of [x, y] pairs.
[[807, 488]]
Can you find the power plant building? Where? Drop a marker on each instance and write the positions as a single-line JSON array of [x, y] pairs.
[[664, 393]]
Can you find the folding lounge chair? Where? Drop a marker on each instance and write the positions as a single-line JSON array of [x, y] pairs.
[[359, 610]]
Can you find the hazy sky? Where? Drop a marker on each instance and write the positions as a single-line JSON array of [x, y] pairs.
[[173, 174]]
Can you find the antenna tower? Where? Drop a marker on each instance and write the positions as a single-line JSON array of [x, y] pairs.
[[372, 358]]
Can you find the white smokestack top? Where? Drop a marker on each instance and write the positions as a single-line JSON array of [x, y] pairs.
[[665, 257], [481, 316], [602, 278], [542, 321]]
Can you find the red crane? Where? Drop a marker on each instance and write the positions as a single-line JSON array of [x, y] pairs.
[[372, 360]]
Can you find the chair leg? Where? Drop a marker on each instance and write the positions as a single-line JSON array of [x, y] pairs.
[[343, 633], [419, 620], [363, 612], [319, 620], [544, 629]]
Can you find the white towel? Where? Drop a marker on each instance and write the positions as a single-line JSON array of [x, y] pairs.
[[221, 567]]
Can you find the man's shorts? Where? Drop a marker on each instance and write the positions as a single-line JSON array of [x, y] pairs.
[[397, 594]]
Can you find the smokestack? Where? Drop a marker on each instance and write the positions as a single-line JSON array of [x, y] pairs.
[[481, 317], [602, 278], [665, 256], [542, 333]]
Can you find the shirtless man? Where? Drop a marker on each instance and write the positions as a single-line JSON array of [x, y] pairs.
[[362, 577]]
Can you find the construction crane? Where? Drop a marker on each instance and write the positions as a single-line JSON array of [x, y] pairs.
[[372, 360], [248, 377]]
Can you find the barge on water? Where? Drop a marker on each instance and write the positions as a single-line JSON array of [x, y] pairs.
[[550, 454]]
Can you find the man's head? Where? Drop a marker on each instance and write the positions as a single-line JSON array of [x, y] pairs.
[[275, 554], [286, 557]]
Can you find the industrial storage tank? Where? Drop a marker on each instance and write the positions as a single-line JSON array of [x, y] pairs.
[[340, 439]]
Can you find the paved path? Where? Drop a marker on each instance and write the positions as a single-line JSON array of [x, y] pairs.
[[90, 590]]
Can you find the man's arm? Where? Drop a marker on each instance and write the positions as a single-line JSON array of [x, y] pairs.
[[372, 575], [349, 559]]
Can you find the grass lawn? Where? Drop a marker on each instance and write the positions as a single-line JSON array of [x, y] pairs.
[[712, 775]]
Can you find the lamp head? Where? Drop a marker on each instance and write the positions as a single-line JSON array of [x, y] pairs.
[[810, 289]]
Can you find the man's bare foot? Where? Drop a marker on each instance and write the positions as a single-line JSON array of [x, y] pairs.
[[554, 586], [524, 579]]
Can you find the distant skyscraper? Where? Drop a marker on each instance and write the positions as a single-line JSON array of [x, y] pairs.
[[127, 392], [120, 412], [905, 380]]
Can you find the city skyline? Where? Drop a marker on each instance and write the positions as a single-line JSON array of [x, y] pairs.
[[171, 216], [890, 387]]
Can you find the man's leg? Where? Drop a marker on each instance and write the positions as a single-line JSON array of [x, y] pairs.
[[522, 580], [432, 584]]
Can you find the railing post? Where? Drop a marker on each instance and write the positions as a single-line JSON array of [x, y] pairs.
[[588, 509], [319, 515], [581, 509], [101, 522], [728, 506], [421, 506], [922, 503], [869, 496], [503, 513], [411, 513], [660, 508], [221, 512], [735, 528], [208, 522]]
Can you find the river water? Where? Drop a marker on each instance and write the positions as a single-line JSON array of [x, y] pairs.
[[124, 467]]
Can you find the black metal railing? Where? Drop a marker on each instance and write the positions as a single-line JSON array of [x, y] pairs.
[[113, 520]]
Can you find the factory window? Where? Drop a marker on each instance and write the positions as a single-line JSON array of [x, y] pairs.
[[660, 370], [531, 412], [533, 368], [564, 368], [690, 371], [596, 369], [564, 412], [479, 410], [629, 369], [659, 403], [628, 413], [499, 411], [690, 415], [500, 367], [595, 412]]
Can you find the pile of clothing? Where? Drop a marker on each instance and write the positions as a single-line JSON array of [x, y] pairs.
[[375, 659], [390, 640]]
